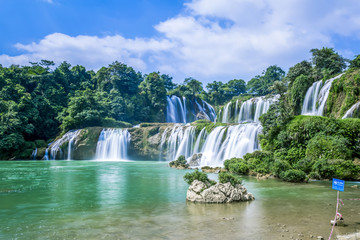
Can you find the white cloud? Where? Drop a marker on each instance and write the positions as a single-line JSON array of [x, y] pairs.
[[213, 39]]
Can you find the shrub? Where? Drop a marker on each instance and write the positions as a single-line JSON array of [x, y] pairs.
[[196, 175], [293, 175], [259, 161], [329, 147], [236, 165], [279, 166], [225, 177], [180, 162], [347, 170], [314, 175], [324, 169], [305, 165]]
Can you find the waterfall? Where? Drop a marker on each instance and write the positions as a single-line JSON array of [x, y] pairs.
[[252, 109], [239, 140], [175, 110], [316, 96], [225, 117], [34, 154], [69, 138], [249, 111], [183, 111], [180, 141], [71, 143], [46, 156], [221, 143], [349, 113], [112, 144]]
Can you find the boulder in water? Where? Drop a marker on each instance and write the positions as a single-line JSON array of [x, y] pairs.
[[218, 193]]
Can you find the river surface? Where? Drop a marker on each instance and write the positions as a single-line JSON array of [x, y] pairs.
[[146, 200]]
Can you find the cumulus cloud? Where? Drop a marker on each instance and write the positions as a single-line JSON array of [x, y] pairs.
[[213, 39]]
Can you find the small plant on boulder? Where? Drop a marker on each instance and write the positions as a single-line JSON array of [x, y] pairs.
[[225, 177], [197, 175], [179, 163]]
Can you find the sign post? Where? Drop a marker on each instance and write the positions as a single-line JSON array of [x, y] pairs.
[[337, 185]]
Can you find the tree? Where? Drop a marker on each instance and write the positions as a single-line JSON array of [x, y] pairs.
[[216, 92], [193, 86], [327, 62], [169, 85], [236, 86], [153, 89], [302, 68], [260, 85], [124, 78]]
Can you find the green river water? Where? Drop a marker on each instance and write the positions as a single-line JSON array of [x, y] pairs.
[[146, 200]]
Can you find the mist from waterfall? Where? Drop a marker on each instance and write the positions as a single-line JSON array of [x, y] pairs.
[[181, 110], [316, 96], [112, 145]]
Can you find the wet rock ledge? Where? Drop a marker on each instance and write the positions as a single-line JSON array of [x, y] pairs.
[[219, 193]]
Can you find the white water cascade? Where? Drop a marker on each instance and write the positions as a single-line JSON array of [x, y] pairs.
[[223, 142], [238, 140], [316, 96], [226, 117], [249, 111], [56, 146], [182, 111], [112, 144], [34, 154], [349, 113]]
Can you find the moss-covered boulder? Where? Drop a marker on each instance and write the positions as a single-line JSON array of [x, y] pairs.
[[146, 140], [85, 143]]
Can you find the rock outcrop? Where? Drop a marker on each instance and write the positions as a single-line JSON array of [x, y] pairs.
[[218, 193], [195, 160]]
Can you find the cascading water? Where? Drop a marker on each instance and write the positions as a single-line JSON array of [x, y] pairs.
[[182, 111], [349, 113], [222, 143], [175, 110], [56, 146], [34, 154], [249, 111], [239, 140], [316, 96], [225, 117], [113, 144]]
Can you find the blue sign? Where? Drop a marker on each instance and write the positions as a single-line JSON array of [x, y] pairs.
[[338, 184]]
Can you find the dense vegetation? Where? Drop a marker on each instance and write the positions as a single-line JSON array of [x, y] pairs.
[[297, 147], [38, 102]]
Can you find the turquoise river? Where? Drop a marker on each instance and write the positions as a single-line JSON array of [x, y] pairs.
[[146, 200]]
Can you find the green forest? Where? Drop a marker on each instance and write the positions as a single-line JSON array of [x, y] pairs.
[[40, 102]]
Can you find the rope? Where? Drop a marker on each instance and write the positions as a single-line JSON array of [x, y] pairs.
[[352, 199], [336, 215]]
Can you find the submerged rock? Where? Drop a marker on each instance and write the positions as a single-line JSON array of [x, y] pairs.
[[218, 193]]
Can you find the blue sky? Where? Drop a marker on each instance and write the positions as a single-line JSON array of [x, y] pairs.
[[206, 39]]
